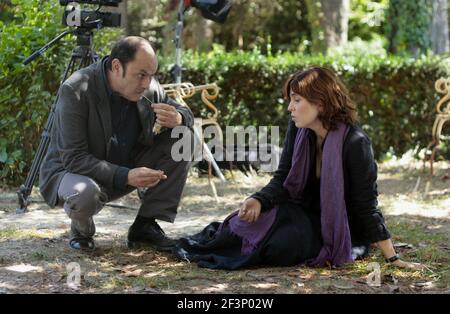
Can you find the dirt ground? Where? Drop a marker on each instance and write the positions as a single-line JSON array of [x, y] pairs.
[[35, 257]]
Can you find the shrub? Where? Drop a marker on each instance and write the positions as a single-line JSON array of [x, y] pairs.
[[27, 92], [395, 96]]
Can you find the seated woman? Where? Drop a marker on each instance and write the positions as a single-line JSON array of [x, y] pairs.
[[320, 208]]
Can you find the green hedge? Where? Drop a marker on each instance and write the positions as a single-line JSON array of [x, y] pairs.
[[395, 96]]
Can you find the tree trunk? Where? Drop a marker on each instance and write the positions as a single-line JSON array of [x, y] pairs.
[[198, 34], [329, 23], [393, 20], [336, 14], [124, 12], [439, 27]]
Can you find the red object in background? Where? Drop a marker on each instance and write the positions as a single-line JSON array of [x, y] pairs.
[[173, 4]]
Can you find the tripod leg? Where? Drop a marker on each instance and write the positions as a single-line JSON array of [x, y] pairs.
[[209, 157], [25, 189], [87, 56]]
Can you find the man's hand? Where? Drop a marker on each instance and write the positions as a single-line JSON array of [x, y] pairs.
[[250, 210], [145, 177], [167, 116]]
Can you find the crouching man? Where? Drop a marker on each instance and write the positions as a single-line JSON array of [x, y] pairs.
[[103, 146]]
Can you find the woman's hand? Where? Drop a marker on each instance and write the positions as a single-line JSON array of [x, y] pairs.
[[388, 250], [402, 264], [250, 210]]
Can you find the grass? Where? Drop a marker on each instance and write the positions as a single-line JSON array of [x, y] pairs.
[[120, 283], [160, 280], [416, 219], [41, 256], [15, 233], [428, 248]]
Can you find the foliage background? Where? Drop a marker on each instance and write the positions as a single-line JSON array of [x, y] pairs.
[[249, 57], [27, 92]]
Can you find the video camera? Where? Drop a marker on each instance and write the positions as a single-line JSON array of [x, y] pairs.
[[74, 16]]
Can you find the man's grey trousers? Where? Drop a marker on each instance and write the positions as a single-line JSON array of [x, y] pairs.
[[83, 198]]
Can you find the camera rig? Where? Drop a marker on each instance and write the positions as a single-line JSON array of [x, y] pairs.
[[74, 16]]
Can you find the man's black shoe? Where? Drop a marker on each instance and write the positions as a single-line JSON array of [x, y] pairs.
[[81, 243], [149, 234]]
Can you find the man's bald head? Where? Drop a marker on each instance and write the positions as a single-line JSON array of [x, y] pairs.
[[131, 67], [125, 51]]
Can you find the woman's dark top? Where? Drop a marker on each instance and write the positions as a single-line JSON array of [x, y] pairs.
[[360, 174]]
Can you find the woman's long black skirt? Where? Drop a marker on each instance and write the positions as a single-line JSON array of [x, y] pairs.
[[293, 238]]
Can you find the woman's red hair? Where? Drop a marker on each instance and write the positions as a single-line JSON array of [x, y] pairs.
[[320, 86]]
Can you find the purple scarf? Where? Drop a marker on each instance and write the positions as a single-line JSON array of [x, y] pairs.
[[336, 249], [251, 233], [337, 246]]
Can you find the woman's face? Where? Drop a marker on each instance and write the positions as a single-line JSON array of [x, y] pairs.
[[303, 113]]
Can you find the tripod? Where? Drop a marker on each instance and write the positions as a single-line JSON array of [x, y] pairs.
[[176, 72], [82, 56]]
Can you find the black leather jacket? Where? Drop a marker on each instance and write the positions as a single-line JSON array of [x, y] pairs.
[[360, 174]]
